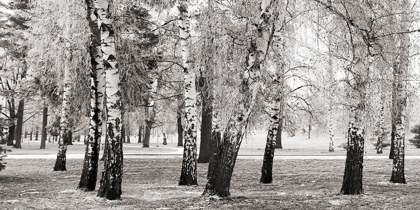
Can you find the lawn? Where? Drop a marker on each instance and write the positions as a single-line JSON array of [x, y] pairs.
[[152, 184]]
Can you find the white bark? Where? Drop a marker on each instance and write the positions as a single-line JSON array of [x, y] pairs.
[[112, 175], [189, 163], [60, 164]]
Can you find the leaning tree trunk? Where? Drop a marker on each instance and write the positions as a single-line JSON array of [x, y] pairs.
[[110, 184], [225, 159], [90, 164], [281, 113], [60, 163], [19, 127], [189, 160]]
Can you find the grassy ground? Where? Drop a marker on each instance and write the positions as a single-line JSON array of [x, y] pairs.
[[253, 145], [152, 184]]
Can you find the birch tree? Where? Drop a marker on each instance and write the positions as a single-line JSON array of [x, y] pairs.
[[399, 103], [224, 161], [189, 160], [90, 164], [110, 184], [60, 163]]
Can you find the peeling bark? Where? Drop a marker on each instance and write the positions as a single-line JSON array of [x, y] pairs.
[[110, 184], [189, 160], [353, 172], [267, 168], [90, 164]]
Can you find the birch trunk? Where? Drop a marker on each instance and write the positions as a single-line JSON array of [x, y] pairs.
[[189, 160], [329, 101], [267, 168], [400, 105], [60, 164], [150, 113], [110, 184], [90, 164], [353, 171], [224, 162], [381, 136]]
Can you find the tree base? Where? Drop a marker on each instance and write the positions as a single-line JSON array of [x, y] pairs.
[[60, 164]]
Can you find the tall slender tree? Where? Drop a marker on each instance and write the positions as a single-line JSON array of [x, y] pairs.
[[60, 164], [90, 164], [189, 160], [400, 71], [110, 184]]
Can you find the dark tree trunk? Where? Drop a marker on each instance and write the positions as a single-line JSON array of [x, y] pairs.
[[164, 139], [36, 133], [146, 140], [353, 172], [123, 133], [223, 164], [26, 135], [139, 137], [393, 116], [11, 137], [19, 127], [206, 128], [90, 166], [216, 137], [70, 138], [30, 136], [391, 151], [180, 131], [12, 128], [110, 184], [379, 145], [279, 132]]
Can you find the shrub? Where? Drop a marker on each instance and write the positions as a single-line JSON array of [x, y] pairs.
[[416, 140]]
